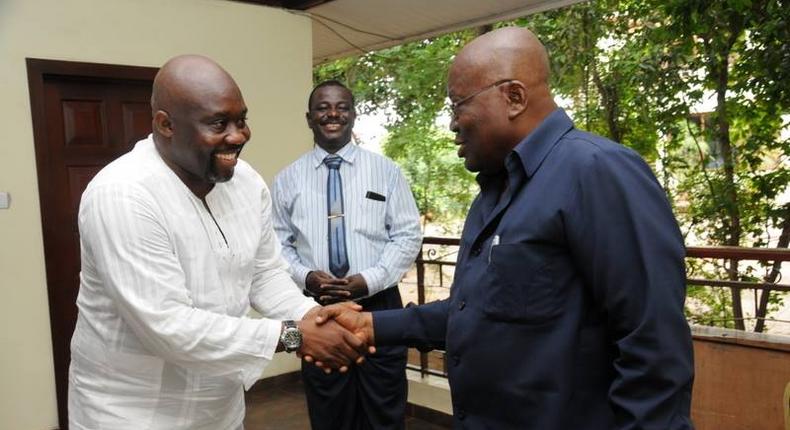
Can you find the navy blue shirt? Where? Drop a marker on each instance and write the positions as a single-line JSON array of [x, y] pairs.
[[567, 307]]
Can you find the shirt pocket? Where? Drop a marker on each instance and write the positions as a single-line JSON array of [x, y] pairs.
[[522, 287], [370, 218]]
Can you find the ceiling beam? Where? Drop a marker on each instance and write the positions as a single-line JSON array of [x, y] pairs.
[[288, 4]]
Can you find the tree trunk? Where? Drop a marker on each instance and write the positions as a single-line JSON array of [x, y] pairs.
[[762, 307], [608, 91], [611, 105], [719, 70]]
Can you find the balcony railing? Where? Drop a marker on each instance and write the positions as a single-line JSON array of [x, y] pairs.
[[438, 256], [738, 264], [438, 252]]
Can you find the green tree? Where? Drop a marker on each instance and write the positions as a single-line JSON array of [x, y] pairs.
[[634, 70], [730, 45], [637, 72], [409, 84]]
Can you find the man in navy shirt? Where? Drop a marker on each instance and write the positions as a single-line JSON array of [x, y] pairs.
[[567, 307]]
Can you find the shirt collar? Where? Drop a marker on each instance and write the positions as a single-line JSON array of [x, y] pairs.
[[534, 148], [348, 153]]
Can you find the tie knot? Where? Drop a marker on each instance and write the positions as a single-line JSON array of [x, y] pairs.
[[333, 161]]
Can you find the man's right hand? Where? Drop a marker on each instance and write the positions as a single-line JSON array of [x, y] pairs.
[[329, 344], [320, 285], [359, 323]]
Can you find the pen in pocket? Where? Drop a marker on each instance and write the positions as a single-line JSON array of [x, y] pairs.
[[494, 242]]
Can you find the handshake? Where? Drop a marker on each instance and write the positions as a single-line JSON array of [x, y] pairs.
[[336, 336]]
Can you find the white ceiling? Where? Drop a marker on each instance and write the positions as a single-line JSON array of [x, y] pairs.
[[368, 25]]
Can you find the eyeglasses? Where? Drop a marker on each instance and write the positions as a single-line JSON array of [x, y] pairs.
[[455, 105]]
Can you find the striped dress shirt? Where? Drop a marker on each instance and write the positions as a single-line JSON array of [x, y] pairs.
[[162, 339], [381, 219]]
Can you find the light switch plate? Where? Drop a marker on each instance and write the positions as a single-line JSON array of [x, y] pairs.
[[5, 200]]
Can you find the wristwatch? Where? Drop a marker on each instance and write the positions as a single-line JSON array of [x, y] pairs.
[[291, 337]]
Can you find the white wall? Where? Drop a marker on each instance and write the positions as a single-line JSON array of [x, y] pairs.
[[268, 52]]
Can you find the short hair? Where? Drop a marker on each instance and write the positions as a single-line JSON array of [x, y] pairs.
[[329, 83]]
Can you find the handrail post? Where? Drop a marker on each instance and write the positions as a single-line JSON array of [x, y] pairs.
[[421, 300]]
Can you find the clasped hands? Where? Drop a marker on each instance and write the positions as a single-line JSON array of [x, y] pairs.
[[327, 289], [336, 336]]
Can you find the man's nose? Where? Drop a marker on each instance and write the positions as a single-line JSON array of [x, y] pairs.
[[453, 124], [237, 135]]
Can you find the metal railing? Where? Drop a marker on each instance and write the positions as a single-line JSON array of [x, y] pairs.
[[434, 252], [737, 254], [438, 254], [729, 259]]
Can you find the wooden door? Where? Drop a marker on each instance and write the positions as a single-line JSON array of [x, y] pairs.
[[84, 116]]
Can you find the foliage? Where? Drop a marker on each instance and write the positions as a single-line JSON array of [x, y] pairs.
[[440, 183], [639, 72], [408, 83]]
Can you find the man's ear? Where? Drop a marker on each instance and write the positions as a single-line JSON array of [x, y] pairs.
[[309, 121], [162, 124], [352, 116], [517, 98]]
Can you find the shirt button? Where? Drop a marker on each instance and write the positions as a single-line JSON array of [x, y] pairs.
[[461, 305], [476, 251], [461, 414], [456, 360]]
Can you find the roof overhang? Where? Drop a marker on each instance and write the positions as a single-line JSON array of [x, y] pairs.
[[350, 27], [343, 28]]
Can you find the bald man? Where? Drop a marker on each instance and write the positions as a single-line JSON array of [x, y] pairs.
[[566, 312], [177, 245]]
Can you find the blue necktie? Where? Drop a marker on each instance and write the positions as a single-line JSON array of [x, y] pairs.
[[338, 260]]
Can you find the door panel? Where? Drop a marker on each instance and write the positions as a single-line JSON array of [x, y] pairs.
[[84, 116]]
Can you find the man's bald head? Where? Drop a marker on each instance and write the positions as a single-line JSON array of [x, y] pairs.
[[188, 80], [505, 53]]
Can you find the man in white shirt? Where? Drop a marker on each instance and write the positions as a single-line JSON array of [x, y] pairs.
[[350, 230], [176, 246]]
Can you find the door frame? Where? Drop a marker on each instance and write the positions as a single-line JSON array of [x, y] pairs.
[[38, 70]]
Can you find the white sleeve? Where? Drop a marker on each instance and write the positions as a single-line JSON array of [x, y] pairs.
[[274, 294]]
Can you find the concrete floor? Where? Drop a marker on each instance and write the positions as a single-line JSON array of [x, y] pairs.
[[282, 406]]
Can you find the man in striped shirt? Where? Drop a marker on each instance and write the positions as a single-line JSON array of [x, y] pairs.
[[350, 230]]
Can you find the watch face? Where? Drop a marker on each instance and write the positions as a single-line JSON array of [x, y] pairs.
[[291, 339]]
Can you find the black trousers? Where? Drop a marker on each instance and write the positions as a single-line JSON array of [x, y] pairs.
[[371, 396]]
